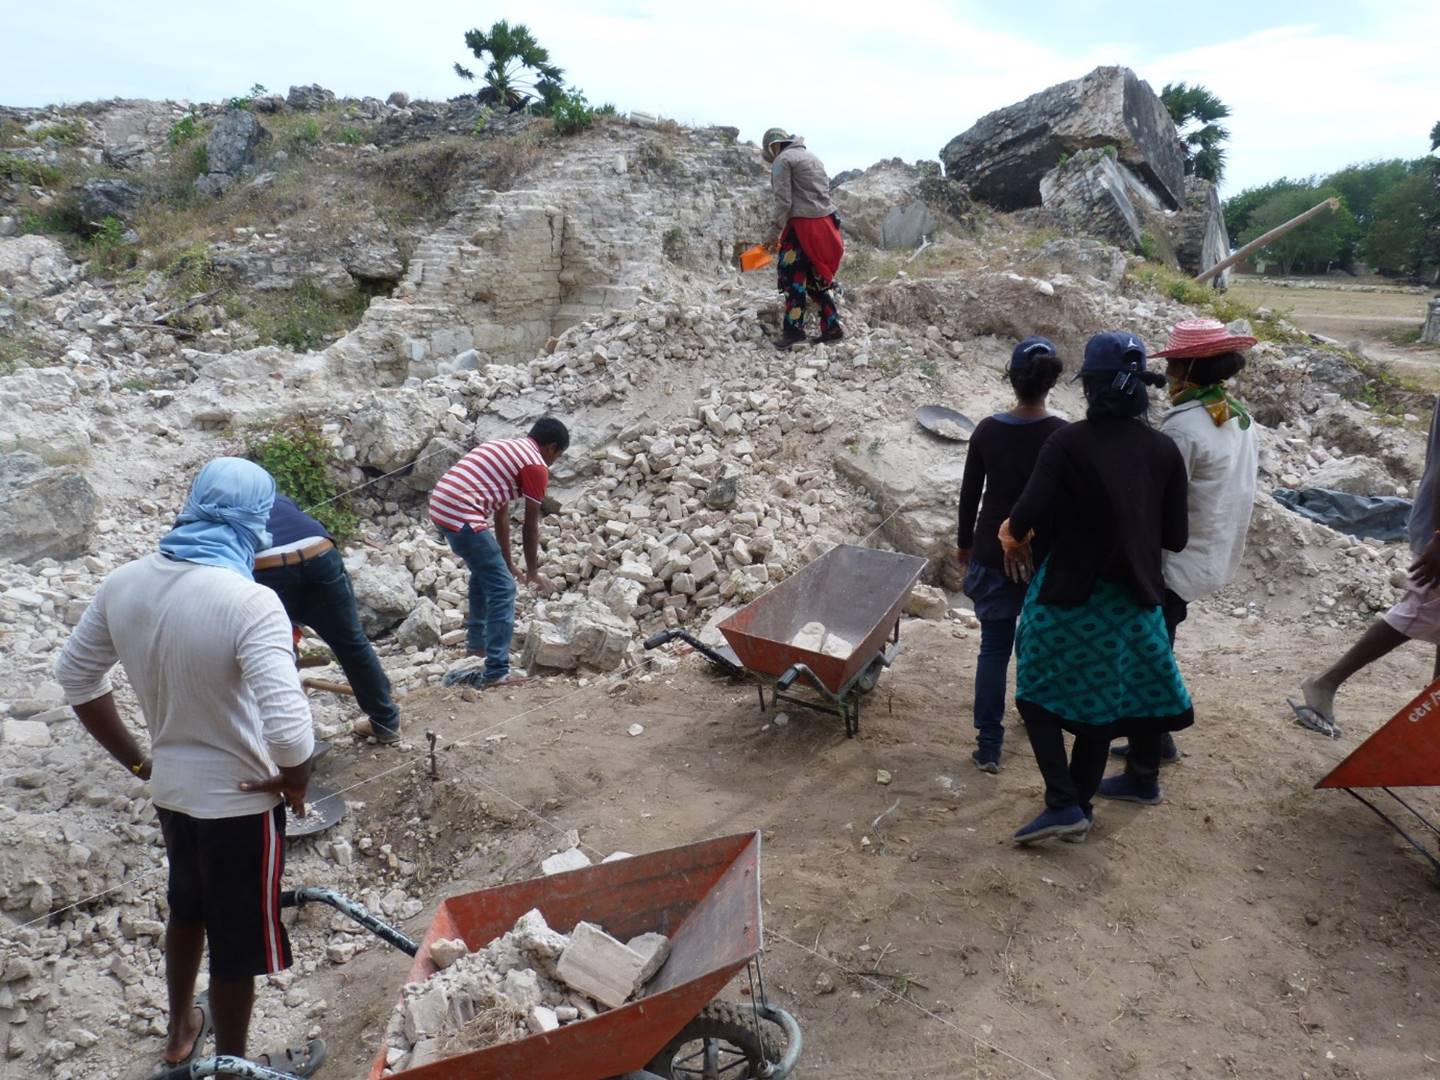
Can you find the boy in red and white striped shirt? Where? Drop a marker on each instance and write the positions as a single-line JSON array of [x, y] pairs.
[[470, 505]]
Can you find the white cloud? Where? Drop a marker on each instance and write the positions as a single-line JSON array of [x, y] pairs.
[[1305, 100]]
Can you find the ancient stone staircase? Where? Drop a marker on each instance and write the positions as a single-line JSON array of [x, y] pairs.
[[620, 208]]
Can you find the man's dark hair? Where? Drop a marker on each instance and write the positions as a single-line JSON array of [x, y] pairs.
[[1213, 369], [548, 430], [1033, 381]]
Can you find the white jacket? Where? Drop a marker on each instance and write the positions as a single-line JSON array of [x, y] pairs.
[[1223, 464]]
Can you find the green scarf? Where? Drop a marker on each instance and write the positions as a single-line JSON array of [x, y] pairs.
[[1218, 404]]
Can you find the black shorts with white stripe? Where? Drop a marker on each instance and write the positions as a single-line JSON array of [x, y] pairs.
[[225, 873]]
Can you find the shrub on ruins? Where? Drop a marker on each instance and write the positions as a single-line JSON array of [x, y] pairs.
[[517, 67], [571, 113], [303, 317], [296, 452]]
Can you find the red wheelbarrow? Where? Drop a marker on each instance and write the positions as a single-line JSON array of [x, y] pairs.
[[857, 594], [705, 897]]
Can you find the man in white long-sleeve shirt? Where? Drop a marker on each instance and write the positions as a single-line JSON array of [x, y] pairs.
[[208, 653]]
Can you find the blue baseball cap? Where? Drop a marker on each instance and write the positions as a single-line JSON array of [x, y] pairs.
[[1113, 350], [1028, 350]]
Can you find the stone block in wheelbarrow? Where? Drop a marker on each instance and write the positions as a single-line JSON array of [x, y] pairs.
[[704, 897], [855, 594]]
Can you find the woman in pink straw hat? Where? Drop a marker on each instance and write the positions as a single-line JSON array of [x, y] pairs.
[[1217, 441]]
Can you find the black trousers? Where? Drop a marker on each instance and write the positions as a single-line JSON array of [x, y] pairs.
[[1146, 750], [1071, 782], [317, 594]]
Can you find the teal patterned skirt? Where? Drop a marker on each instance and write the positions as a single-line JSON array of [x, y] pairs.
[[1102, 662]]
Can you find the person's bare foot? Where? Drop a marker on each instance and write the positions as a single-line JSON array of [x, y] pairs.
[[181, 1042], [1319, 697]]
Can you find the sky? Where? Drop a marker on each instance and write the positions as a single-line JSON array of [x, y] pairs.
[[1313, 85]]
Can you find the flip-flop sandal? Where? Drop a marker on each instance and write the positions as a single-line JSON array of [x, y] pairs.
[[297, 1061], [1312, 719], [207, 1028]]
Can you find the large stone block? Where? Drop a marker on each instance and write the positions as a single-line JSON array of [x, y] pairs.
[[44, 512], [390, 430], [232, 143], [100, 198], [384, 594], [1002, 158], [1198, 231], [576, 632], [1431, 331], [887, 206], [1089, 191], [32, 266], [600, 967]]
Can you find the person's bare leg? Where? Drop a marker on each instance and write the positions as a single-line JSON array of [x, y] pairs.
[[230, 1004], [1379, 639], [184, 946]]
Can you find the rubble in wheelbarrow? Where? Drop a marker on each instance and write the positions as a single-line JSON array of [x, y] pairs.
[[814, 637], [530, 980]]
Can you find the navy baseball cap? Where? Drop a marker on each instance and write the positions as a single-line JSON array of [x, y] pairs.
[[1027, 350], [1113, 350]]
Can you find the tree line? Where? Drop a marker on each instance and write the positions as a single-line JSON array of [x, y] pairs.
[[1389, 218]]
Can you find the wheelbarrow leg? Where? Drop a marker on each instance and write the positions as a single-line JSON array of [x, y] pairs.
[[760, 689]]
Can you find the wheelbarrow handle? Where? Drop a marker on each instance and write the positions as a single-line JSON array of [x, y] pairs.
[[678, 634], [384, 931], [794, 1041], [662, 638], [222, 1065]]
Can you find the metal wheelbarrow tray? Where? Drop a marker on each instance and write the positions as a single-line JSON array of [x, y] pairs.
[[705, 897], [857, 593]]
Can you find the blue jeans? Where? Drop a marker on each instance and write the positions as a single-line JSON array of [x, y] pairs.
[[491, 620], [997, 642], [316, 593]]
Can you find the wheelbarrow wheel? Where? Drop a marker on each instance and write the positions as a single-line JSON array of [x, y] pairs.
[[871, 676], [721, 1043]]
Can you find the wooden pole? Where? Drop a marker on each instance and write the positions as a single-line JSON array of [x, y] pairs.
[[326, 684], [1273, 234]]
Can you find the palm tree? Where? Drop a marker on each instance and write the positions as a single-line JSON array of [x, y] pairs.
[[518, 68], [1195, 111]]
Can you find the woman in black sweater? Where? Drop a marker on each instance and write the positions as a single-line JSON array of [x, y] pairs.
[[1093, 657], [999, 460]]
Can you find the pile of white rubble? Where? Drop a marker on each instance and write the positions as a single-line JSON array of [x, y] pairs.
[[529, 981]]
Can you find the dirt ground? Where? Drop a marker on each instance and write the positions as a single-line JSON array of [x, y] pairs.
[[1249, 926], [1378, 320]]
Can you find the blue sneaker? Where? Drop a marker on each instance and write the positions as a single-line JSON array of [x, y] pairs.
[[1126, 788], [1067, 822], [987, 759], [1169, 752], [1079, 837]]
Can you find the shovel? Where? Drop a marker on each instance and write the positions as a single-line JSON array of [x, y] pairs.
[[755, 258]]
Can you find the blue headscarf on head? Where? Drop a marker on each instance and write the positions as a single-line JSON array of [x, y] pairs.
[[223, 522]]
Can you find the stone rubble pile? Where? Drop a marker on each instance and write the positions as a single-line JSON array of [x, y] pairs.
[[705, 468], [529, 981]]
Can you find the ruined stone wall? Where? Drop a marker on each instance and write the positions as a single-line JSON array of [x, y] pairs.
[[620, 209]]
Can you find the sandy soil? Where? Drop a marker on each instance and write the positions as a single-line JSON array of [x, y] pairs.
[[1248, 927], [1375, 319]]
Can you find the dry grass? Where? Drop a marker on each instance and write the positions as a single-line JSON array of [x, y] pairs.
[[497, 1021]]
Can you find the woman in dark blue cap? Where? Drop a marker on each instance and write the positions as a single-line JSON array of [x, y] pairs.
[[1108, 494], [998, 462]]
